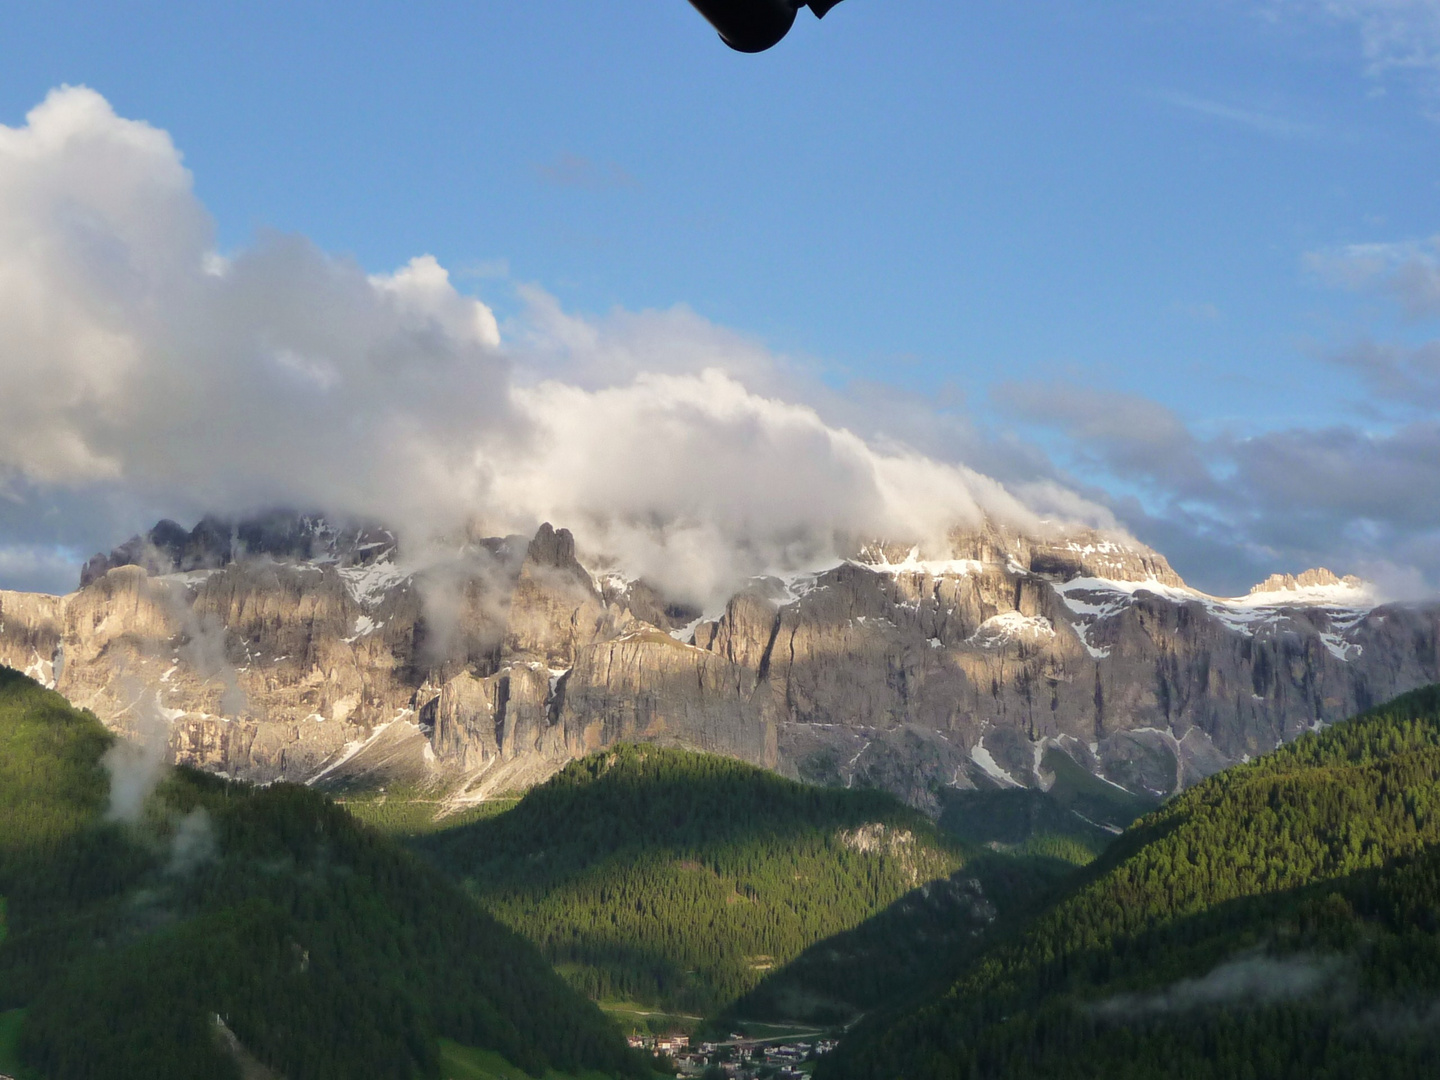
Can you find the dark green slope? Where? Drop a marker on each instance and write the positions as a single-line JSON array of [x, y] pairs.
[[909, 948], [1278, 920], [1029, 842], [679, 879], [325, 949], [1075, 819]]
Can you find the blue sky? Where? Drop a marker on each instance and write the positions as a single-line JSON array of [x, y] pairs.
[[1037, 217]]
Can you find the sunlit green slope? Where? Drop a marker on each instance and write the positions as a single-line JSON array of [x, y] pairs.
[[680, 879]]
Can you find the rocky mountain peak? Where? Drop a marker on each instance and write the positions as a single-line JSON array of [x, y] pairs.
[[1316, 578], [555, 608], [1089, 553], [552, 547], [1062, 554], [216, 542]]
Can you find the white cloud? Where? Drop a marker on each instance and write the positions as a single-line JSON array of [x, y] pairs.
[[145, 373], [1396, 36], [133, 356], [423, 288], [144, 367], [697, 480]]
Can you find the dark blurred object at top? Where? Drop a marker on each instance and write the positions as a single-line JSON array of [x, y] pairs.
[[754, 25]]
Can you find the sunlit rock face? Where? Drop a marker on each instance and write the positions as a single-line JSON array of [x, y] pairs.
[[290, 648]]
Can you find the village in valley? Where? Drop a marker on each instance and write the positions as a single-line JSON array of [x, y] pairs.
[[738, 1058]]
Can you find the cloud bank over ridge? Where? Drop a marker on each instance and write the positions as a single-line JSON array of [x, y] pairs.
[[146, 375], [146, 372]]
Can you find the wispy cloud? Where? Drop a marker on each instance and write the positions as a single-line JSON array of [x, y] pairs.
[[1125, 434], [1267, 123], [1405, 375], [574, 171], [1355, 500], [1402, 34], [1253, 980], [1408, 271], [1396, 36], [43, 568], [484, 269]]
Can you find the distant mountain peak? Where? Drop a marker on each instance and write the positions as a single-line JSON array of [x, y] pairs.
[[1063, 553], [1316, 578], [215, 542]]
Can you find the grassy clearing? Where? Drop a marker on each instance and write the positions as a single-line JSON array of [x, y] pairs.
[[405, 815], [640, 1019], [467, 1063]]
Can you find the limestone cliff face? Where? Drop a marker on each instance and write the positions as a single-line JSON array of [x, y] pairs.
[[556, 609], [647, 685], [312, 652], [32, 629], [1151, 687]]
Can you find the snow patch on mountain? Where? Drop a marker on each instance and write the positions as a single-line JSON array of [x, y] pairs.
[[364, 624], [990, 767], [795, 586], [686, 634], [403, 717], [1010, 626], [368, 584], [1342, 602], [914, 564]]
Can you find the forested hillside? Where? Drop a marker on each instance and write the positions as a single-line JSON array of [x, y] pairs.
[[1028, 842], [893, 957], [679, 879], [1278, 920], [234, 924]]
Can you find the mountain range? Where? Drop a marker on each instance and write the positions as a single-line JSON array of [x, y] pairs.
[[289, 647]]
